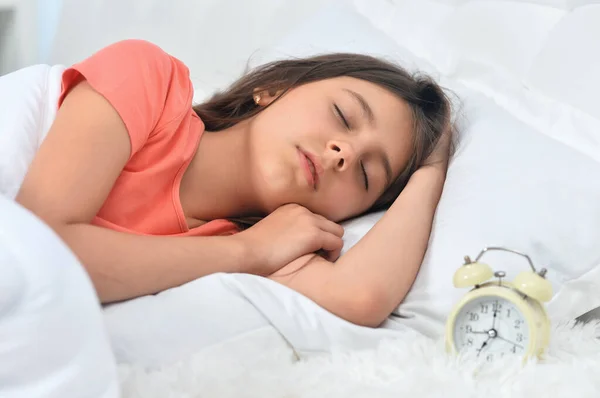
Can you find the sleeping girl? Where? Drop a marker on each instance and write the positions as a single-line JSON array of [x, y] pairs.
[[150, 191]]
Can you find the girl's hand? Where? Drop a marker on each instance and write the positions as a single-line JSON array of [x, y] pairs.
[[432, 172], [441, 153], [288, 233]]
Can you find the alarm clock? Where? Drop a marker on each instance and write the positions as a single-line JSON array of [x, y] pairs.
[[497, 317]]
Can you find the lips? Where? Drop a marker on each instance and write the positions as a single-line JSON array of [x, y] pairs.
[[311, 168]]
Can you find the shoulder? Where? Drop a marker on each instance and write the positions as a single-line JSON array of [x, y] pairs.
[[145, 85], [138, 45], [141, 56], [134, 68]]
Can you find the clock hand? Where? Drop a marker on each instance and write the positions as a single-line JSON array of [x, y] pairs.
[[483, 346], [495, 313], [508, 341]]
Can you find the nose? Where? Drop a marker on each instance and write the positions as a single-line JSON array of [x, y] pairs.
[[341, 155]]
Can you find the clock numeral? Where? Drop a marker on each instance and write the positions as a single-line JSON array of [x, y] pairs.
[[473, 316], [468, 329], [490, 357], [514, 349], [519, 337], [508, 313], [496, 307], [484, 308], [469, 342], [518, 323]]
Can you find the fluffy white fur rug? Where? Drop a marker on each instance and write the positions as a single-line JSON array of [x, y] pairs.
[[260, 364]]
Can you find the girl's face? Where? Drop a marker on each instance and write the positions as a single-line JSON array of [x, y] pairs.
[[332, 146]]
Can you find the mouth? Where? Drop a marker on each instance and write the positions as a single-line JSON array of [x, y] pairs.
[[311, 168]]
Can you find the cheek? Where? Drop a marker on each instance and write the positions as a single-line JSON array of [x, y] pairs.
[[291, 120], [275, 169]]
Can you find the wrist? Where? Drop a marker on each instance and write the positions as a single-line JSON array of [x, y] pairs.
[[427, 183], [434, 172], [248, 255]]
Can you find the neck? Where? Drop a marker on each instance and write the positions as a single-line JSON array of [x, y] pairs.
[[217, 183]]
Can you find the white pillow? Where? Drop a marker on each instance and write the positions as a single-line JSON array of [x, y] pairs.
[[455, 36], [28, 99], [509, 184]]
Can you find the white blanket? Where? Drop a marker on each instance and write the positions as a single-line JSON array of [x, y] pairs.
[[206, 312], [52, 340]]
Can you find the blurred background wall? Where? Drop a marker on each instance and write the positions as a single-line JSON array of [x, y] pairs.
[[215, 38]]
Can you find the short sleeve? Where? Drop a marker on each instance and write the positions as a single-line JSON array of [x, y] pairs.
[[146, 86]]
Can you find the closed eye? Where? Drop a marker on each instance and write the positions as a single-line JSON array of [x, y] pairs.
[[344, 121], [341, 116], [366, 177]]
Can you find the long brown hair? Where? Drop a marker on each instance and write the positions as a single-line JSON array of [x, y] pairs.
[[430, 106]]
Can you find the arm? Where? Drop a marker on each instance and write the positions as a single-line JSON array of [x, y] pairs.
[[373, 277], [67, 183], [124, 266]]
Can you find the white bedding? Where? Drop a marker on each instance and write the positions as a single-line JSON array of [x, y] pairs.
[[28, 99], [160, 330], [260, 364], [53, 343]]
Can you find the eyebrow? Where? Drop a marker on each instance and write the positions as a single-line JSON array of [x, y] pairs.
[[363, 104], [389, 175]]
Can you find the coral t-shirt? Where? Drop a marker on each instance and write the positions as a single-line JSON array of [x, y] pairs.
[[152, 93]]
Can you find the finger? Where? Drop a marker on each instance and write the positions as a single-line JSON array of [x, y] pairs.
[[329, 226], [329, 256], [333, 255], [331, 242]]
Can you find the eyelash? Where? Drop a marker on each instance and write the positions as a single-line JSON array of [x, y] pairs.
[[344, 121], [340, 115]]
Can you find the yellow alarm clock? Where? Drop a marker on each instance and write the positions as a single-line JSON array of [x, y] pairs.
[[498, 318]]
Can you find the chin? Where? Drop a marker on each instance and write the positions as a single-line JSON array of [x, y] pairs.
[[282, 185], [334, 215]]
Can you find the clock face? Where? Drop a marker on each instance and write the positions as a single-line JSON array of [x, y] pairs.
[[491, 327]]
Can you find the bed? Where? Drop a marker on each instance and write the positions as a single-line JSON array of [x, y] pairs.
[[526, 174]]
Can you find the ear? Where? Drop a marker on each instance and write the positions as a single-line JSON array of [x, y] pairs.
[[265, 97]]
